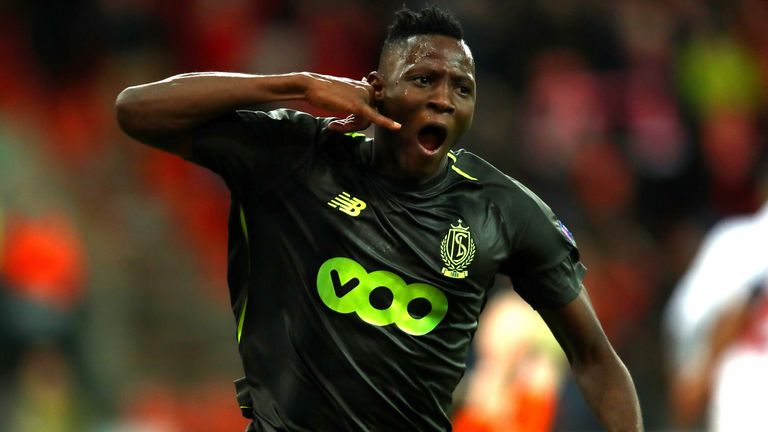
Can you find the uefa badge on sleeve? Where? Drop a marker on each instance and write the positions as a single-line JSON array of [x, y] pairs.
[[566, 233]]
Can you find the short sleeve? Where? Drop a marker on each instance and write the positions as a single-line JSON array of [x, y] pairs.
[[544, 262], [248, 149]]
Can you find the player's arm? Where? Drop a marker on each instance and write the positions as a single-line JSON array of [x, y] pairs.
[[601, 376], [166, 113]]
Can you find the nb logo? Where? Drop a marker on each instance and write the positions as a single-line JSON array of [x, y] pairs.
[[380, 298], [348, 204]]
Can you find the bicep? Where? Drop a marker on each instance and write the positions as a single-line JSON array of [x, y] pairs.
[[577, 329]]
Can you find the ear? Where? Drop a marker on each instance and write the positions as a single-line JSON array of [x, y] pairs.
[[376, 80]]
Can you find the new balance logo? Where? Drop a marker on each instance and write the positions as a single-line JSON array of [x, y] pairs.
[[348, 204]]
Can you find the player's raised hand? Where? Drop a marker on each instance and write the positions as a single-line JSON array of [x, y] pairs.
[[346, 95]]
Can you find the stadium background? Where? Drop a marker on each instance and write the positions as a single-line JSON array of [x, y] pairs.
[[641, 122]]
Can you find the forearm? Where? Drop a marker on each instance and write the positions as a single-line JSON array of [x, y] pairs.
[[181, 102], [608, 389]]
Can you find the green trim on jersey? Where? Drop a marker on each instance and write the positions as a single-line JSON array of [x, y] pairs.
[[241, 317], [244, 226], [458, 170]]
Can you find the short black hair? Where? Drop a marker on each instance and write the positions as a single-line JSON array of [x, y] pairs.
[[430, 20]]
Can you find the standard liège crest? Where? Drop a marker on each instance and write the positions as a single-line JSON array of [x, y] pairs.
[[457, 251]]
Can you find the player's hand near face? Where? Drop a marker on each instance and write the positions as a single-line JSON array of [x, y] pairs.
[[346, 95], [164, 114]]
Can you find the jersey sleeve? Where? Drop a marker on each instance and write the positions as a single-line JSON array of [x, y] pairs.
[[544, 262], [248, 149]]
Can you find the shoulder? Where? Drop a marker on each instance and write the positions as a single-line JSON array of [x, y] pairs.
[[500, 187]]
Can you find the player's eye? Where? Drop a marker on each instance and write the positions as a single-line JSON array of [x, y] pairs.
[[465, 90], [423, 80]]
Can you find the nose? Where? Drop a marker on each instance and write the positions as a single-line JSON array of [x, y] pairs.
[[440, 100]]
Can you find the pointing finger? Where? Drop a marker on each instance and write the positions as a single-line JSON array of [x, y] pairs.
[[378, 119]]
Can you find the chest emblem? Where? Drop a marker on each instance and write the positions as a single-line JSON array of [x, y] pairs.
[[348, 204], [457, 251]]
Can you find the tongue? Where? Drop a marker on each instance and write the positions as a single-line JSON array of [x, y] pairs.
[[429, 140]]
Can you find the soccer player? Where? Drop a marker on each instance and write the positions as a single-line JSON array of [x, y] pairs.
[[716, 324], [358, 267]]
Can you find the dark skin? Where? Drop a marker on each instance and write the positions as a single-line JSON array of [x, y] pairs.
[[602, 378], [427, 80]]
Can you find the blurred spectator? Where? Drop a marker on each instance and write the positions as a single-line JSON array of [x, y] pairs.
[[565, 112], [42, 268], [44, 261], [514, 384]]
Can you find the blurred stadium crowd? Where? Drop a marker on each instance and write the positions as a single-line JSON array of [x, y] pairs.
[[641, 122]]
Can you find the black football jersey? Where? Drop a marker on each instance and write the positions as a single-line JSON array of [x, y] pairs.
[[356, 297]]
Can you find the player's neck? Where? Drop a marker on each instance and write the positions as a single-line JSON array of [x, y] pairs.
[[395, 168]]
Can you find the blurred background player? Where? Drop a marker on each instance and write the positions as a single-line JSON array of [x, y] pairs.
[[716, 325]]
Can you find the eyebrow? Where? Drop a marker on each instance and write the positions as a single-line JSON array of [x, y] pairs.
[[455, 76]]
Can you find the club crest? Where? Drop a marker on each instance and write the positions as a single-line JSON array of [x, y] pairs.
[[457, 251]]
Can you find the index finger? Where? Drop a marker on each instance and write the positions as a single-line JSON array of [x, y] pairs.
[[377, 118]]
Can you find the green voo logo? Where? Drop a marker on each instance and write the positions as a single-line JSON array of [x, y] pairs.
[[380, 297]]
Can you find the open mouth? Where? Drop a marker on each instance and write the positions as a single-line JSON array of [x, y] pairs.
[[432, 136]]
